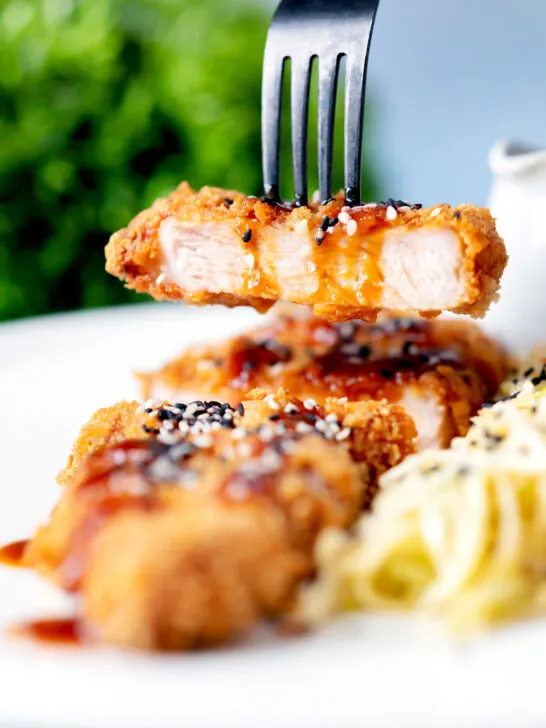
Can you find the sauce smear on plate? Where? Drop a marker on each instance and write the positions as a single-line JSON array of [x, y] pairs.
[[12, 553]]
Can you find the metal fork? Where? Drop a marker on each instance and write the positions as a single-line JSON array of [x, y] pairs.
[[326, 30]]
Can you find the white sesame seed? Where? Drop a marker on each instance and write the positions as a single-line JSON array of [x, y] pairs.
[[167, 438], [168, 425], [215, 426], [344, 434], [321, 426], [303, 427], [309, 403], [244, 450], [391, 213], [203, 441], [272, 402], [436, 211], [344, 217], [331, 418], [238, 433], [183, 427], [190, 410], [351, 227], [271, 460], [345, 208], [343, 400], [315, 197], [266, 433], [319, 236], [290, 409], [249, 260], [160, 278], [276, 368]]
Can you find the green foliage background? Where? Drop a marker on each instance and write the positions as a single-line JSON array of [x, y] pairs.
[[105, 105]]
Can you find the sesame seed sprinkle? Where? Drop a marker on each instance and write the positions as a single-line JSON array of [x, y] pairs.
[[351, 227]]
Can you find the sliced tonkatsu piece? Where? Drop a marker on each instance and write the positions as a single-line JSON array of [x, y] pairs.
[[217, 246], [205, 522], [441, 371]]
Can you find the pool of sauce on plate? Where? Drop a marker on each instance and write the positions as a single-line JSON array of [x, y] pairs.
[[59, 631], [51, 631], [12, 553]]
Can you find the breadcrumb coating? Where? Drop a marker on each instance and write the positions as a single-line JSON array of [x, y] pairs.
[[450, 363], [204, 520], [266, 237]]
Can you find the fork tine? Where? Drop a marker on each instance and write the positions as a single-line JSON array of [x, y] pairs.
[[328, 76], [301, 76], [272, 82], [355, 81]]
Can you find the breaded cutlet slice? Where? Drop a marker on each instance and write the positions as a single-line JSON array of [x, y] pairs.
[[191, 533], [218, 246], [440, 371]]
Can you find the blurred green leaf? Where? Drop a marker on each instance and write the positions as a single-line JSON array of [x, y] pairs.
[[105, 105]]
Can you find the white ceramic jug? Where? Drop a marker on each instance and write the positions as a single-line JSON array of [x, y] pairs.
[[518, 202]]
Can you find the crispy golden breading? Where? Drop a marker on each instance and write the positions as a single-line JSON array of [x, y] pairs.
[[207, 522], [218, 246], [440, 371]]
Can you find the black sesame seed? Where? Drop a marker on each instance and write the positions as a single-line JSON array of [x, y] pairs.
[[274, 417], [228, 201], [406, 349], [456, 214], [229, 424], [417, 206], [325, 223], [150, 430], [528, 372], [164, 414], [333, 222], [392, 203], [387, 374], [365, 351], [213, 403], [148, 410], [181, 406], [247, 236], [241, 409]]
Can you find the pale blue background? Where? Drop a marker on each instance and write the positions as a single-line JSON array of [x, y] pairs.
[[448, 78]]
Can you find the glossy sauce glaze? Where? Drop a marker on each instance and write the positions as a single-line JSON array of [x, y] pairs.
[[341, 360], [117, 479], [344, 246]]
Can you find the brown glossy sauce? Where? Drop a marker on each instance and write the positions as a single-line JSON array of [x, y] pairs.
[[59, 631], [130, 460], [12, 553], [352, 360], [247, 360]]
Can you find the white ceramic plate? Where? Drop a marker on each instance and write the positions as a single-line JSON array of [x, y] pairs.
[[54, 372]]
